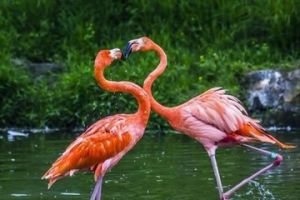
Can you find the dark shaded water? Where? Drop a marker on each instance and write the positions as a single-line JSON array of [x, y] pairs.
[[168, 167]]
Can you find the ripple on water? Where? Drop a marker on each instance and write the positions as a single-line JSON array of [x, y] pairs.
[[19, 195], [255, 190], [70, 193]]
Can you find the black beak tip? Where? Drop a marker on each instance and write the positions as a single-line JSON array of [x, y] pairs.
[[126, 51]]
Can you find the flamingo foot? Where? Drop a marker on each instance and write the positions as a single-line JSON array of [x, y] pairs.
[[96, 195]]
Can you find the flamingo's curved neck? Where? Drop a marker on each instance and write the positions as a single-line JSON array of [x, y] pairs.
[[156, 106], [140, 95]]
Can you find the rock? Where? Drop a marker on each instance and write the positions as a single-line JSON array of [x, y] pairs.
[[292, 92], [273, 89]]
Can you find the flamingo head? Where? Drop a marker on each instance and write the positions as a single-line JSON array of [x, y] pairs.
[[108, 56], [140, 44]]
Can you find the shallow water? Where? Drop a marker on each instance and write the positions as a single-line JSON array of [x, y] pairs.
[[167, 167]]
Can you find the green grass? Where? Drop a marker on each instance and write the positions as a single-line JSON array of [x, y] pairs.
[[208, 44]]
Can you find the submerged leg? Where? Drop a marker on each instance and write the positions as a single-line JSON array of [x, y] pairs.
[[96, 195], [277, 160]]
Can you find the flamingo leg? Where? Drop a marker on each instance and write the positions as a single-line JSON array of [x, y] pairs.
[[96, 195], [277, 160], [217, 174]]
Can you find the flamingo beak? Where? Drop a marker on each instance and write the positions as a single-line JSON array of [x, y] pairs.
[[127, 50]]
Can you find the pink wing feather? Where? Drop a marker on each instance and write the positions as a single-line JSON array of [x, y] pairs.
[[102, 141], [214, 113], [217, 109]]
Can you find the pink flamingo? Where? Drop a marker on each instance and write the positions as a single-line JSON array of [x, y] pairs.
[[105, 142], [213, 118]]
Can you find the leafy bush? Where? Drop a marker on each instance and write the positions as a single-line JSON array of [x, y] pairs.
[[208, 43]]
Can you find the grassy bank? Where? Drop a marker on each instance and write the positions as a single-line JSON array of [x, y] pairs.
[[208, 44]]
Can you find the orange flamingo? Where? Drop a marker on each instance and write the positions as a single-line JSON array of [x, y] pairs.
[[212, 118], [105, 142]]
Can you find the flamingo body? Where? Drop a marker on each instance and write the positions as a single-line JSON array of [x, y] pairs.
[[105, 142], [213, 118], [99, 148]]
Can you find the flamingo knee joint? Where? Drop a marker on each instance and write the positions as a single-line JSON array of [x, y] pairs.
[[278, 160]]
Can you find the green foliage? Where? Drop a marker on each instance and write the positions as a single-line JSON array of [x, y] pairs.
[[208, 43]]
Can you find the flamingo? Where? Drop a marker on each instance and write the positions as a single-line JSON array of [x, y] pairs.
[[105, 142], [214, 119]]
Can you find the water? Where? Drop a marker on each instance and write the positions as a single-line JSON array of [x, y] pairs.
[[169, 167]]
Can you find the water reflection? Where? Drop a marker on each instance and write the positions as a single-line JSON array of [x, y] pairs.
[[169, 167]]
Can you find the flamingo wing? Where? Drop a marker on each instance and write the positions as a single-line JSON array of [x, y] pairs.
[[102, 141], [223, 112], [218, 109]]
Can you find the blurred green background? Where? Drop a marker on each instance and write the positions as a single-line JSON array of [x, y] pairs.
[[208, 43]]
